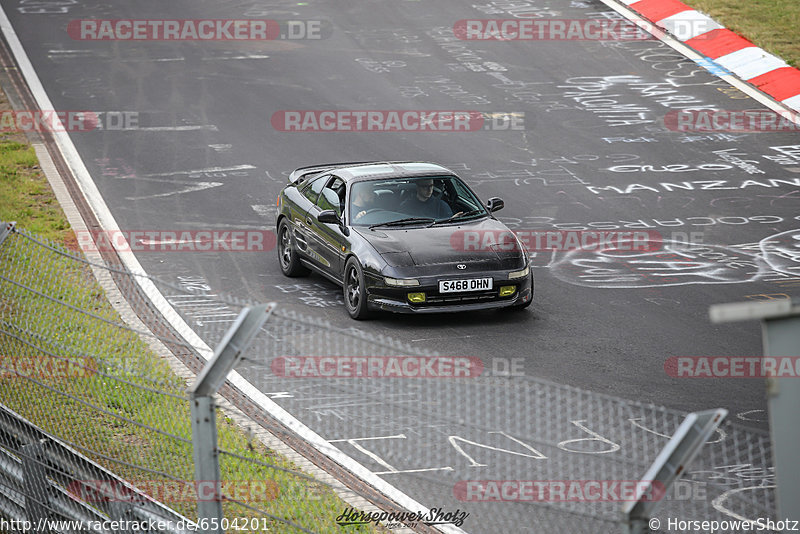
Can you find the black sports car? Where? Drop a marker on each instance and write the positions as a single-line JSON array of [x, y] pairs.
[[406, 237]]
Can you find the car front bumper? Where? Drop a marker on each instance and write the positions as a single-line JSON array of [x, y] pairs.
[[393, 299]]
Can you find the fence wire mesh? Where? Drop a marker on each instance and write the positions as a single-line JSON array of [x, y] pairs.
[[101, 381]]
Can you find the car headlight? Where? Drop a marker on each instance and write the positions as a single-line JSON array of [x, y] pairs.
[[401, 282], [519, 274]]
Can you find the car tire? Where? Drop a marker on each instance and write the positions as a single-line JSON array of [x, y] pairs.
[[355, 293], [287, 257]]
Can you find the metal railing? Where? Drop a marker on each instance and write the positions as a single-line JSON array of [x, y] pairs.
[[44, 479]]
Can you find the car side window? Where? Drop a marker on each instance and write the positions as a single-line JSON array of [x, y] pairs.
[[465, 199], [312, 189], [332, 197]]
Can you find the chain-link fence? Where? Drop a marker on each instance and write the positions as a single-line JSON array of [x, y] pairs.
[[99, 359], [98, 381]]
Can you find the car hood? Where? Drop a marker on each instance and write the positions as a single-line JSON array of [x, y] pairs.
[[444, 245]]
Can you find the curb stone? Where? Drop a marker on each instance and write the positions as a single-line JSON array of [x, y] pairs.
[[728, 50]]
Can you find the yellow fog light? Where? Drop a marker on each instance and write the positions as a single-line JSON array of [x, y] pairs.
[[507, 290], [416, 298]]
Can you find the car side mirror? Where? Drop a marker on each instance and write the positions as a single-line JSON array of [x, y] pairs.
[[329, 217], [495, 204]]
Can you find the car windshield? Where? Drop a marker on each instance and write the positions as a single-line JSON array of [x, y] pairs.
[[408, 201]]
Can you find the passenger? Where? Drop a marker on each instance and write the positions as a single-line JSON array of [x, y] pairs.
[[424, 204]]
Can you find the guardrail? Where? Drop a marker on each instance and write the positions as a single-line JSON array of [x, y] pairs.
[[45, 480]]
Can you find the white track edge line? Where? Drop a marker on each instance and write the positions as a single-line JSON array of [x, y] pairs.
[[108, 223]]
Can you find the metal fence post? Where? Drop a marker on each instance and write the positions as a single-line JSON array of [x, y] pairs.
[[782, 338], [204, 423], [35, 483], [5, 229], [780, 327], [206, 462], [670, 464]]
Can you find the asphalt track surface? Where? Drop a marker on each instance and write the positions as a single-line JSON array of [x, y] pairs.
[[206, 156]]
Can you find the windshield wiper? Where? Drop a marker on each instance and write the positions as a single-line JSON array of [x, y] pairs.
[[408, 220], [459, 216]]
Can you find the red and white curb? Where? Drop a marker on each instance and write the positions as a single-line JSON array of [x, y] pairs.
[[767, 72]]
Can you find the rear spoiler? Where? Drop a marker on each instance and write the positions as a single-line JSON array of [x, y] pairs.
[[298, 175]]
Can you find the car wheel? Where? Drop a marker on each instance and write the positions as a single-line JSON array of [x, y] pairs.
[[290, 263], [355, 293]]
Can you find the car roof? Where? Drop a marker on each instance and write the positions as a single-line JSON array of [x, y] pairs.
[[390, 169]]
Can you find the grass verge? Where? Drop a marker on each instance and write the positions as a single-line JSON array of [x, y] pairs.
[[774, 25], [25, 195]]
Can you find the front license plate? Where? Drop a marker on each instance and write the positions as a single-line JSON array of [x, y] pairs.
[[474, 284]]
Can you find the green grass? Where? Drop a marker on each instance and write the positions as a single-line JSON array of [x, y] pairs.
[[774, 25], [25, 195]]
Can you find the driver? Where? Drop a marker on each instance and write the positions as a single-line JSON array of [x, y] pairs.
[[363, 200], [424, 204]]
